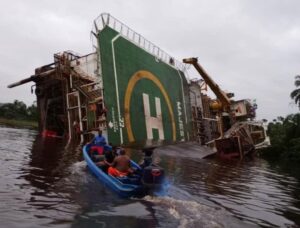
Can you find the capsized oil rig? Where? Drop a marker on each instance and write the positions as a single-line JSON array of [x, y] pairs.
[[138, 95]]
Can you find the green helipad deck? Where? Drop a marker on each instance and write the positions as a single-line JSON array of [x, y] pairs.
[[146, 98]]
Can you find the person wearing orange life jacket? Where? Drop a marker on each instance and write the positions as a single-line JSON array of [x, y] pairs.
[[109, 155], [121, 166]]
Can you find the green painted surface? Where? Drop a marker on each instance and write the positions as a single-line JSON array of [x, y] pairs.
[[120, 60]]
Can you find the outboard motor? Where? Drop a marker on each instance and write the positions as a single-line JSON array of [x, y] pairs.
[[153, 176]]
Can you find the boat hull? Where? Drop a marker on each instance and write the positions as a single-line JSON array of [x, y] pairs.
[[123, 190]]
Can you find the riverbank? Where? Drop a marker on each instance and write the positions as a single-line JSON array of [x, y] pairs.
[[282, 159], [284, 136], [19, 123]]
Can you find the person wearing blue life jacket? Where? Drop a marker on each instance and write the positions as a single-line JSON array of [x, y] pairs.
[[99, 145], [99, 140]]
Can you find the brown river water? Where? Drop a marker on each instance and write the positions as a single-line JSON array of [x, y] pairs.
[[45, 183]]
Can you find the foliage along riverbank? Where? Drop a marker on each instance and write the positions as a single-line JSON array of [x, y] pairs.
[[284, 135], [17, 114], [19, 123]]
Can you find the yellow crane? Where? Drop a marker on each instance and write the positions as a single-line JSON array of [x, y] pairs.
[[241, 130], [221, 95], [223, 102]]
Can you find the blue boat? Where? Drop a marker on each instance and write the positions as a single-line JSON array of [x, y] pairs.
[[137, 185]]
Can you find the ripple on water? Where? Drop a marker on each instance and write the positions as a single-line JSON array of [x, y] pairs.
[[249, 190], [45, 183]]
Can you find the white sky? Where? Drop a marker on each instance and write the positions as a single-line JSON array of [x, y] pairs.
[[249, 47]]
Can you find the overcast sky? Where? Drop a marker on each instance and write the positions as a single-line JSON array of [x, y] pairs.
[[249, 47]]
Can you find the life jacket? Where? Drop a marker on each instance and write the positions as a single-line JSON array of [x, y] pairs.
[[98, 149], [99, 140], [116, 173]]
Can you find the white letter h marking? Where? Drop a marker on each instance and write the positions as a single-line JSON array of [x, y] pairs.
[[153, 122]]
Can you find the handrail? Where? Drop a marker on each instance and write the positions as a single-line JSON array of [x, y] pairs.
[[106, 19]]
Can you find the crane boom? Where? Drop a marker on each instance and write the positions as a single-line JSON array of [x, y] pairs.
[[221, 95]]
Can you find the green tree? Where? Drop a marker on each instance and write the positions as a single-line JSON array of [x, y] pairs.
[[6, 111], [32, 112], [19, 111], [284, 135], [295, 94]]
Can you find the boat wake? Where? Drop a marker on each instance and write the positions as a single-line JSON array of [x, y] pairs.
[[170, 207], [189, 211], [78, 168]]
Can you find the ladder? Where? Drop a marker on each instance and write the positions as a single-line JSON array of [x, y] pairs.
[[87, 92]]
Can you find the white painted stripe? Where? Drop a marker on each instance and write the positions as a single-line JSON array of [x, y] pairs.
[[160, 127], [147, 116], [158, 107], [183, 100], [116, 82]]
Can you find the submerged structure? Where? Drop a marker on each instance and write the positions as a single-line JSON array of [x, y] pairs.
[[137, 95]]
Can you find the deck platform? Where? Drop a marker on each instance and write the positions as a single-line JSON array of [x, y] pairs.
[[191, 150]]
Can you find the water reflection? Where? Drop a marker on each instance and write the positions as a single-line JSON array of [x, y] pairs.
[[50, 199]]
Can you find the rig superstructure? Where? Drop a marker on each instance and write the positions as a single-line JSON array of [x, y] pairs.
[[138, 95]]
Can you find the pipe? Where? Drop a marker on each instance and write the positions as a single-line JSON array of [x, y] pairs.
[[26, 80], [31, 78]]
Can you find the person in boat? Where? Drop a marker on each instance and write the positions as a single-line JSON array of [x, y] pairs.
[[109, 156], [121, 165], [118, 150], [98, 146], [147, 161]]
